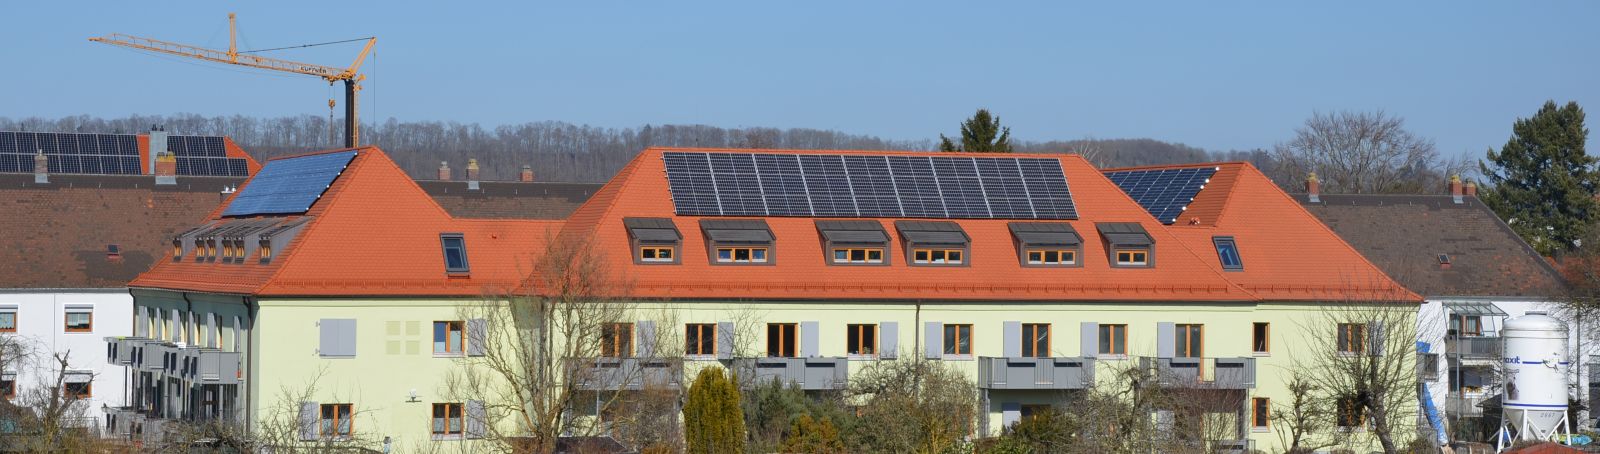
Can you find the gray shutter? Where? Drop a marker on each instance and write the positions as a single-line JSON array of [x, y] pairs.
[[1013, 339], [933, 339], [209, 331], [477, 419], [1166, 340], [808, 339], [178, 329], [1089, 339], [308, 420], [1375, 338], [477, 336], [888, 340], [238, 328], [140, 323], [725, 340], [1010, 413], [338, 336], [644, 338]]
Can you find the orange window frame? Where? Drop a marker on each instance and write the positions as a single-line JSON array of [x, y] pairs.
[[8, 389], [1030, 332], [342, 413], [702, 335], [1353, 334], [615, 338], [1263, 344], [1063, 257], [657, 250], [66, 322], [788, 335], [1194, 337], [1260, 412], [1351, 413], [67, 392], [451, 411], [925, 256], [860, 346], [955, 341], [177, 249], [265, 249], [1133, 257], [1116, 339], [454, 336], [750, 253], [14, 322], [867, 255]]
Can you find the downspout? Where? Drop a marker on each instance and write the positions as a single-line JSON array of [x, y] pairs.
[[188, 393], [250, 310]]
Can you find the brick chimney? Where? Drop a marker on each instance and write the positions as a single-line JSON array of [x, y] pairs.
[[1472, 189], [1455, 188], [166, 169], [472, 169], [444, 171], [527, 174], [1313, 188], [41, 168]]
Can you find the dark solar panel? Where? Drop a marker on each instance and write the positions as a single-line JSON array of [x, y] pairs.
[[106, 154], [1165, 193], [289, 186], [823, 185]]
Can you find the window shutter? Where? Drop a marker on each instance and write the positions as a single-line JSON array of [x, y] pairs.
[[1375, 338], [1013, 339], [477, 419], [241, 334], [1166, 340], [177, 328], [209, 331], [477, 336], [644, 338], [308, 420], [725, 340], [1089, 339], [888, 340], [808, 339], [338, 337], [933, 339], [141, 323], [1010, 413]]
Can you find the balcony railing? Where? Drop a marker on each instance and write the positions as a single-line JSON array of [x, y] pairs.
[[210, 366], [1463, 405], [120, 350], [1474, 347], [632, 374], [1215, 373], [810, 374], [1035, 373]]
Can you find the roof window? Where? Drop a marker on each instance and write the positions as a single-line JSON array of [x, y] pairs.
[[738, 241], [455, 253], [1128, 244], [1228, 253], [1046, 244], [934, 243], [854, 242], [654, 241]]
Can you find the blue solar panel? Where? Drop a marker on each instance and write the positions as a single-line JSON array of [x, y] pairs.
[[1165, 193], [105, 154], [824, 185], [289, 186]]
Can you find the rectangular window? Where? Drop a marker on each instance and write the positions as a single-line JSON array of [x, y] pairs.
[[447, 419], [80, 320], [781, 339], [656, 254], [8, 388], [937, 256], [1052, 257], [862, 339], [1113, 339], [1258, 337], [448, 337], [1351, 336], [177, 249], [1036, 340], [335, 420], [742, 255], [858, 255], [616, 340], [1191, 341], [701, 339], [1351, 412], [1466, 325], [1133, 257], [81, 390], [957, 340], [265, 250], [8, 320], [1260, 412], [1228, 253], [455, 253]]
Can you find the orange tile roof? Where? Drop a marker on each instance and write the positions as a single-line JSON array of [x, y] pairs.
[[374, 232], [231, 149]]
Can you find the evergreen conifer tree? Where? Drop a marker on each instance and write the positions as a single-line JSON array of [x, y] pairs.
[[713, 422], [980, 134], [1542, 182]]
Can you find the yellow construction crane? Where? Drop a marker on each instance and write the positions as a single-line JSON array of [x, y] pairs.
[[232, 56]]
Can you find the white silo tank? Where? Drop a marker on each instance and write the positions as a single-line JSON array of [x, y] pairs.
[[1535, 395]]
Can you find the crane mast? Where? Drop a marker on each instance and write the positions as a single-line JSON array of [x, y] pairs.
[[348, 75]]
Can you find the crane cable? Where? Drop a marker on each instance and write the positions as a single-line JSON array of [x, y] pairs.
[[306, 45]]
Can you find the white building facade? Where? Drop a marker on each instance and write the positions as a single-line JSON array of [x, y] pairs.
[[71, 324]]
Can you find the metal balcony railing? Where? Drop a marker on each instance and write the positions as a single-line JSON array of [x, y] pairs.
[[810, 374], [1474, 347], [1463, 405], [618, 374], [1214, 373], [1035, 373]]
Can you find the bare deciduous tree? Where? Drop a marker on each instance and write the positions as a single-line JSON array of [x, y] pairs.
[[1361, 357], [1360, 153]]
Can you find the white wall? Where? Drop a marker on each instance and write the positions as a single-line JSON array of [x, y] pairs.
[[41, 322]]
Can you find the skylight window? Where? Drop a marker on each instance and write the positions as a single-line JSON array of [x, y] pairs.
[[455, 253], [1228, 253]]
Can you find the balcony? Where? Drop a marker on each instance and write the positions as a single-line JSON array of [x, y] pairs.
[[1474, 347], [1457, 404], [1035, 373], [810, 374], [122, 350], [151, 355], [1211, 373], [210, 366], [626, 374]]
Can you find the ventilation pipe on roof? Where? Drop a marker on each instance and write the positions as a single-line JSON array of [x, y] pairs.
[[1313, 188], [527, 173], [158, 146], [166, 168], [1455, 188], [472, 174], [41, 168], [444, 171]]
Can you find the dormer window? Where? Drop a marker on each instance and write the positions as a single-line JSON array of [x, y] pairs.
[[177, 249], [854, 242], [655, 241], [934, 243], [1129, 245], [1046, 244], [264, 250], [455, 253], [738, 241]]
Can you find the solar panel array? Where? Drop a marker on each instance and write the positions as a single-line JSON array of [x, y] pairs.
[[289, 186], [108, 154], [205, 156], [1165, 193], [849, 185]]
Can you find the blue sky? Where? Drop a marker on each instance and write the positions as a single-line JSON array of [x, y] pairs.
[[1218, 75]]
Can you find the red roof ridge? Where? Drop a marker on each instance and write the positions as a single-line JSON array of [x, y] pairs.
[[1189, 165], [860, 152]]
